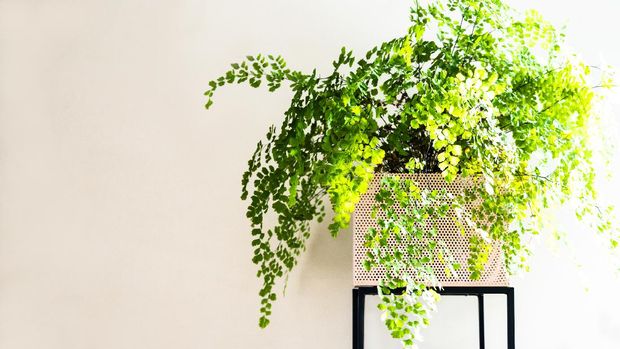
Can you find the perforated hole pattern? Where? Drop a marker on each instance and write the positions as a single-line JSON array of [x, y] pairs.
[[447, 231]]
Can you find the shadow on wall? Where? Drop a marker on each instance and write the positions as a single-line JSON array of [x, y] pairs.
[[327, 258]]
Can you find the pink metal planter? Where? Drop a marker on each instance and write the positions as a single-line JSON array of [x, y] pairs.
[[448, 232]]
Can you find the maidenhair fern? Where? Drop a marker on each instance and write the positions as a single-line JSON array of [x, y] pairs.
[[473, 88]]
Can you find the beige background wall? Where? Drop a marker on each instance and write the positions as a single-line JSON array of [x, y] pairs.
[[120, 219]]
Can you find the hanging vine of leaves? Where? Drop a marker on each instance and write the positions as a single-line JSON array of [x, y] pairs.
[[473, 88], [407, 215]]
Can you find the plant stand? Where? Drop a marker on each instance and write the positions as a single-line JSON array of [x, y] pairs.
[[360, 292]]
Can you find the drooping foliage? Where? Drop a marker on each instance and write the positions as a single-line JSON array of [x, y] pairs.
[[473, 88]]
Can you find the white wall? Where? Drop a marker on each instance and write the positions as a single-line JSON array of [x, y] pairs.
[[120, 219]]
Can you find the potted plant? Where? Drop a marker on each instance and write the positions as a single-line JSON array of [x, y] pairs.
[[474, 93]]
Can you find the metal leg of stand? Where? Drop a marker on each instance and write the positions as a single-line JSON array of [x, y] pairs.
[[481, 320], [358, 318], [510, 314]]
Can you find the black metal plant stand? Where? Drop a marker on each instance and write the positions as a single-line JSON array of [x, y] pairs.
[[360, 292]]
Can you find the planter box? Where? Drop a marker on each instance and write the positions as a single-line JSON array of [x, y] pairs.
[[448, 232]]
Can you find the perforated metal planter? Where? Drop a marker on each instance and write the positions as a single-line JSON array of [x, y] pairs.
[[448, 232]]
